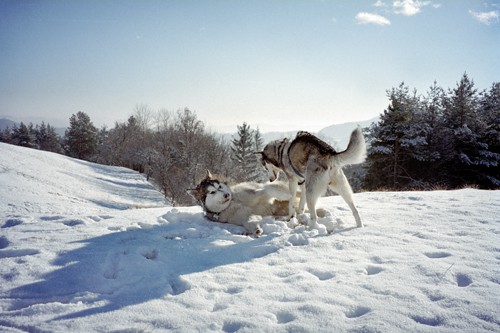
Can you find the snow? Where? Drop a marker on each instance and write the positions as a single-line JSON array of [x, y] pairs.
[[91, 248]]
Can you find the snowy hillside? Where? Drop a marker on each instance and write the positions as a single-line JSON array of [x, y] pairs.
[[89, 248]]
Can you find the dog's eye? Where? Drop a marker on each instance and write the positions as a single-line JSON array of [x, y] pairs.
[[212, 192]]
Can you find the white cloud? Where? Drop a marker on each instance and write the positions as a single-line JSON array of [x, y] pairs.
[[485, 17], [369, 18], [379, 3], [411, 7]]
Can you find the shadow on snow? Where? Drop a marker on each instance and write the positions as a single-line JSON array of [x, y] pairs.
[[121, 269]]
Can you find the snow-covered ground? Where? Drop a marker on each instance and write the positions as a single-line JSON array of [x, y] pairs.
[[91, 248]]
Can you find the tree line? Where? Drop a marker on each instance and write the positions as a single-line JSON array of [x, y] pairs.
[[444, 139], [43, 137]]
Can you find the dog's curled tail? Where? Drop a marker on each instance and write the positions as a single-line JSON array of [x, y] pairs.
[[355, 152]]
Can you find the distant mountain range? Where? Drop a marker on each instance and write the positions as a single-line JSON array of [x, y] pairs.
[[4, 123], [336, 135]]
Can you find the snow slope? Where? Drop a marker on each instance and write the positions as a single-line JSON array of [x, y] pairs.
[[89, 248]]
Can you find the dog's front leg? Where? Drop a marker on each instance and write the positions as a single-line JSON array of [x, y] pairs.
[[316, 185], [292, 186], [242, 215], [302, 202]]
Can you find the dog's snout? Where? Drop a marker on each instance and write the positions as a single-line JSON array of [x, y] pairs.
[[226, 195]]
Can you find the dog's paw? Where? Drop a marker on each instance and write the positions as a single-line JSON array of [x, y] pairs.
[[313, 223], [303, 219], [292, 223]]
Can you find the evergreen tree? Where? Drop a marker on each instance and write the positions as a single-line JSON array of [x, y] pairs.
[[24, 136], [260, 174], [6, 135], [462, 104], [81, 137], [105, 152], [432, 126], [490, 116], [47, 138], [462, 124], [243, 154], [395, 143], [258, 140], [40, 134], [132, 145]]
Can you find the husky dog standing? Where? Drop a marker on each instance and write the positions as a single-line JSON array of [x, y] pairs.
[[239, 204], [314, 165]]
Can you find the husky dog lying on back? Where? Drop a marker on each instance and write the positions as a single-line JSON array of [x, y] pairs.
[[239, 204], [314, 165]]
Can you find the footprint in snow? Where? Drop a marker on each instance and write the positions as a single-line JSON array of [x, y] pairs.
[[150, 254], [51, 218], [488, 317], [463, 280], [434, 297], [357, 312], [17, 253], [231, 327], [12, 223], [428, 321], [178, 286], [73, 222], [437, 255], [373, 270], [4, 242], [234, 290], [99, 218], [322, 275], [284, 317]]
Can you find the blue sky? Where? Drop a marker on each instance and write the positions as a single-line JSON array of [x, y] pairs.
[[279, 65]]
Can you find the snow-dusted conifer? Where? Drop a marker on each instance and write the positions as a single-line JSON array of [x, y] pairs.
[[47, 138], [396, 141], [466, 153], [81, 137], [24, 135], [243, 153]]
